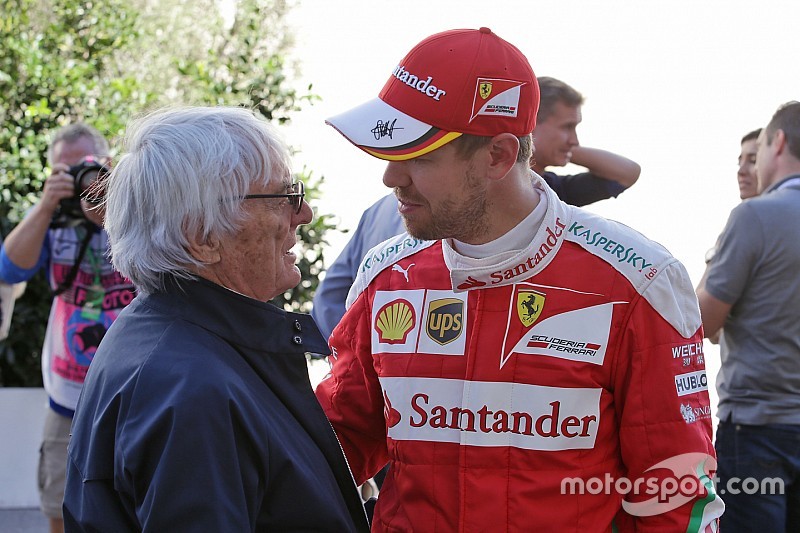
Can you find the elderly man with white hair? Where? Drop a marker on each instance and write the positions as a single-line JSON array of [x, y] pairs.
[[197, 413]]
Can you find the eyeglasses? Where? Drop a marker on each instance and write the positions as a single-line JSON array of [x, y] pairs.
[[295, 197]]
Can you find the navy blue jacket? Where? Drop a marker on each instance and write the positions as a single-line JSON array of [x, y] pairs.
[[197, 414]]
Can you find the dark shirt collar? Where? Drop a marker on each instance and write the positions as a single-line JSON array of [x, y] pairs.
[[785, 183]]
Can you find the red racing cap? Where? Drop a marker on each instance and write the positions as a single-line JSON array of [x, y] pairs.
[[451, 83]]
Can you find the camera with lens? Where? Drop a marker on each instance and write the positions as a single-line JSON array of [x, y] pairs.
[[89, 176]]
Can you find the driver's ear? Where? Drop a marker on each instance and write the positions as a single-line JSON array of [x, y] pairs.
[[503, 150]]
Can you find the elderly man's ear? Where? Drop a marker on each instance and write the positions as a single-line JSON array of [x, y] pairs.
[[207, 250]]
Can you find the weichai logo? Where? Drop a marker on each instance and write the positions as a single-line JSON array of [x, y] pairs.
[[444, 324], [687, 350], [394, 321]]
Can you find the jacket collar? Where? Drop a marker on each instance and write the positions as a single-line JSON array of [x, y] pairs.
[[240, 320]]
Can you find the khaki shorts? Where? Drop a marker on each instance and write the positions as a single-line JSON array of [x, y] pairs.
[[53, 463]]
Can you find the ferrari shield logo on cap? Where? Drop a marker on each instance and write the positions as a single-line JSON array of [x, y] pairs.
[[529, 306], [504, 100]]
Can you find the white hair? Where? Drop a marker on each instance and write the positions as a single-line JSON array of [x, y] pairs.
[[182, 173]]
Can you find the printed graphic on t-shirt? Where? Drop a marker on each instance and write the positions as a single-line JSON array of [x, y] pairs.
[[77, 341]]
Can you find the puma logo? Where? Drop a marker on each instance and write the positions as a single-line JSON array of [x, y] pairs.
[[404, 271]]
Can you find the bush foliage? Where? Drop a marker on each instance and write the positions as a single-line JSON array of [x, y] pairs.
[[106, 61]]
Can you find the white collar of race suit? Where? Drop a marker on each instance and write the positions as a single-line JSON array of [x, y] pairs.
[[503, 269], [514, 240]]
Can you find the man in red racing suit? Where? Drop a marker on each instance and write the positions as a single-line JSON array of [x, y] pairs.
[[522, 365], [487, 388]]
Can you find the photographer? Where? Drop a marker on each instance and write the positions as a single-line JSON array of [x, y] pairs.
[[63, 233]]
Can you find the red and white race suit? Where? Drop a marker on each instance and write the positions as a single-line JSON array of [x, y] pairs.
[[528, 394]]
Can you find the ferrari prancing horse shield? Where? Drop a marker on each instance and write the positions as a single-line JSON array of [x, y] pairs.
[[529, 306]]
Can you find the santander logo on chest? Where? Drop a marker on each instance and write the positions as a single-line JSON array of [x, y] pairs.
[[476, 413]]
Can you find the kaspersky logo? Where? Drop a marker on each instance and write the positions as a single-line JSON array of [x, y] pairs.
[[615, 250], [389, 253], [394, 321]]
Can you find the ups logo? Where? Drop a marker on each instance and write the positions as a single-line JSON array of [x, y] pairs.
[[444, 324]]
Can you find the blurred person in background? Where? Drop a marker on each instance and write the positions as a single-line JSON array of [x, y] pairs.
[[746, 175], [197, 413], [748, 187], [556, 144], [752, 289], [63, 235]]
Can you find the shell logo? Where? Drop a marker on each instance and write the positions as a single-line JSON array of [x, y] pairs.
[[394, 321]]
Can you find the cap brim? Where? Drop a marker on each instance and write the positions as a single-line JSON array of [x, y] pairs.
[[386, 133]]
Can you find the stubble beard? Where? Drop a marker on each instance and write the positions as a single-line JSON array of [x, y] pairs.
[[466, 221]]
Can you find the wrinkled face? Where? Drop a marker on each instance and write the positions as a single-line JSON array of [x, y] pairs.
[[439, 196], [556, 136], [748, 182], [258, 261], [72, 153]]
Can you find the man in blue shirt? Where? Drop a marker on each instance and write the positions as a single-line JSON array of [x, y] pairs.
[[752, 288]]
